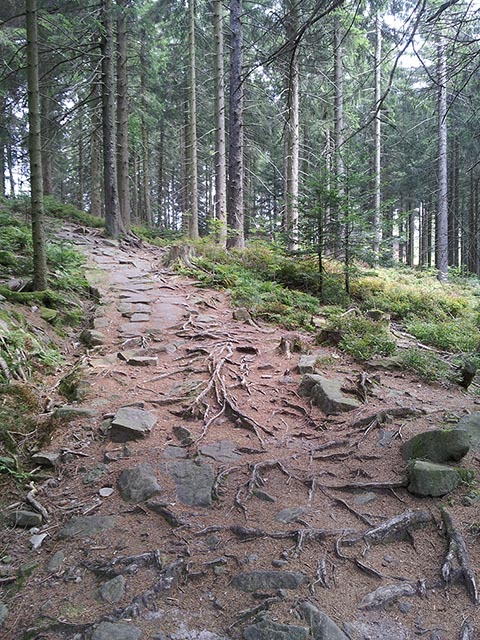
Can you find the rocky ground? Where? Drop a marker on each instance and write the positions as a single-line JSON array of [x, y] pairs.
[[215, 479]]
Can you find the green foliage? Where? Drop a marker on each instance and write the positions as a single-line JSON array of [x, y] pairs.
[[426, 365], [364, 338], [56, 209], [451, 336]]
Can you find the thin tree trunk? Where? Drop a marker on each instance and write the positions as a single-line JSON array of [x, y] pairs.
[[377, 219], [95, 156], [122, 117], [35, 150], [339, 131], [81, 184], [47, 135], [113, 219], [236, 168], [10, 163], [192, 128], [162, 215], [292, 147], [220, 148], [442, 216]]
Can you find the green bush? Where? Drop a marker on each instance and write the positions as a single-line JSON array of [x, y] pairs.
[[363, 338], [451, 336], [425, 365]]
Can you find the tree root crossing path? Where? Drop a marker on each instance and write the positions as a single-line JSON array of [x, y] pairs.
[[200, 491]]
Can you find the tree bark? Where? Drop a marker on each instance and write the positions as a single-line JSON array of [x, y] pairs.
[[35, 150], [113, 219], [220, 148], [377, 216], [292, 147], [192, 128], [339, 132], [442, 214], [122, 117], [236, 168]]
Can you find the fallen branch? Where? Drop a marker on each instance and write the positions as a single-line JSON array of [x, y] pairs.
[[246, 614], [382, 416], [36, 504], [457, 549], [394, 529]]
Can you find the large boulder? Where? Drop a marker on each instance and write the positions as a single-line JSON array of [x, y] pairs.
[[327, 394], [471, 425], [431, 479], [439, 445]]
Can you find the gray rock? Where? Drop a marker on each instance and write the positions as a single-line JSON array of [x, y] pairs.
[[439, 445], [3, 613], [279, 564], [142, 361], [24, 518], [116, 631], [265, 580], [326, 393], [92, 338], [322, 627], [242, 314], [471, 424], [140, 317], [113, 590], [86, 526], [130, 423], [172, 451], [74, 411], [222, 451], [46, 458], [387, 364], [306, 364], [263, 495], [95, 473], [471, 498], [269, 630], [385, 438], [184, 435], [290, 514], [56, 561], [138, 484], [364, 498], [193, 482], [431, 479]]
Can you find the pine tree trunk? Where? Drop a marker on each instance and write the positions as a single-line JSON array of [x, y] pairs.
[[80, 184], [339, 133], [192, 128], [442, 215], [292, 147], [122, 117], [35, 150], [95, 157], [220, 148], [235, 167], [47, 132], [377, 217], [113, 219], [162, 215], [10, 164]]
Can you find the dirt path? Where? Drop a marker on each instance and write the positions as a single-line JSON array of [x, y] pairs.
[[226, 505]]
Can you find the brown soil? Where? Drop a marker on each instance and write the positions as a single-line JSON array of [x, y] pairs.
[[190, 330]]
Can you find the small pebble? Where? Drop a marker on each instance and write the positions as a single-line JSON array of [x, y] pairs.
[[105, 492]]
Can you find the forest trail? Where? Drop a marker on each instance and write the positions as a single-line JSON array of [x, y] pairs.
[[196, 490]]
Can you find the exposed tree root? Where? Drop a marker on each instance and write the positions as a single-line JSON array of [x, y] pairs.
[[169, 577], [216, 492], [360, 516], [457, 550], [324, 574], [167, 514], [247, 614], [467, 632], [126, 564], [389, 593], [371, 486], [394, 529]]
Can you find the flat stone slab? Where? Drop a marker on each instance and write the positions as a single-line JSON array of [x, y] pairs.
[[327, 394], [431, 479], [3, 613], [265, 580], [269, 630], [46, 458], [86, 526], [140, 317], [73, 411], [306, 364], [130, 423], [321, 626], [438, 445], [471, 424], [117, 631], [221, 451], [193, 482], [92, 338], [142, 361], [128, 298], [138, 484]]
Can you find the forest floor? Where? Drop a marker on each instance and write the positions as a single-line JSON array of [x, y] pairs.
[[254, 491]]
